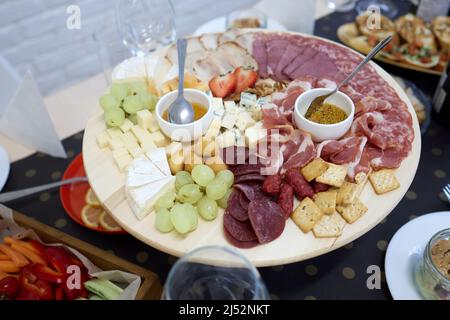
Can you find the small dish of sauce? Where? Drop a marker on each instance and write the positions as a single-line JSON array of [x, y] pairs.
[[199, 111], [325, 113]]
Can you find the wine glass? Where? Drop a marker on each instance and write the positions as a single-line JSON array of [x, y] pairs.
[[145, 25], [214, 273], [387, 7]]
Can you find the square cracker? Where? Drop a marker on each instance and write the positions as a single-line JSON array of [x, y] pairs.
[[306, 215], [326, 201], [384, 181], [314, 169], [333, 176], [352, 212], [329, 226], [347, 193]]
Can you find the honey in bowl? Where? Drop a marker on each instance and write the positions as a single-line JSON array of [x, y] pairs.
[[199, 111], [325, 113]]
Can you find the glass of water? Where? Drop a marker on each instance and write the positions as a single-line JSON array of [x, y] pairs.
[[145, 25], [214, 273]]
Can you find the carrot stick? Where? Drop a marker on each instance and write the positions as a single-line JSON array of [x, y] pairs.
[[8, 266], [30, 255], [4, 257], [26, 244], [17, 258]]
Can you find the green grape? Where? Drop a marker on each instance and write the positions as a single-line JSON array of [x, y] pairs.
[[114, 117], [132, 118], [207, 208], [223, 202], [180, 218], [202, 175], [226, 176], [193, 215], [108, 102], [190, 193], [165, 201], [137, 87], [182, 178], [163, 223], [216, 189], [132, 104], [148, 100], [119, 90]]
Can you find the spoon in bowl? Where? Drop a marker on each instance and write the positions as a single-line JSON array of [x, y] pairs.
[[181, 111], [317, 102]]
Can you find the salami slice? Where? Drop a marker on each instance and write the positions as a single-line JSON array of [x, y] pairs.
[[239, 244], [286, 199], [301, 187], [267, 219], [246, 169], [241, 231], [234, 207], [252, 191], [249, 177], [243, 200]]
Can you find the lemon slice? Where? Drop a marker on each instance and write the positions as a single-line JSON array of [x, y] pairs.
[[108, 223], [91, 199], [91, 216]]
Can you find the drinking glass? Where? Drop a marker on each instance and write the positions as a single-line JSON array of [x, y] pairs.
[[341, 5], [387, 7], [214, 273], [145, 25]]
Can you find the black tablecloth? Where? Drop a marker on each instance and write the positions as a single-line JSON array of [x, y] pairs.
[[341, 274]]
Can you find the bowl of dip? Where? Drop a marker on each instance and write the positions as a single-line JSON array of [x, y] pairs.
[[328, 121], [203, 116]]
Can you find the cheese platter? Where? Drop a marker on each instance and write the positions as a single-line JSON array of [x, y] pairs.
[[299, 200]]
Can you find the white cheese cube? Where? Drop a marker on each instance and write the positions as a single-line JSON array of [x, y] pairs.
[[214, 129], [114, 132], [144, 119], [153, 124], [126, 125], [173, 148], [129, 140], [136, 151], [231, 107], [116, 143], [159, 159], [254, 134], [123, 162], [229, 120], [248, 99], [239, 138], [244, 121], [217, 106], [158, 139], [148, 146], [141, 134], [226, 139], [103, 140], [119, 152]]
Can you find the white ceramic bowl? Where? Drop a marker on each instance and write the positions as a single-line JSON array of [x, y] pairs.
[[322, 132], [190, 131]]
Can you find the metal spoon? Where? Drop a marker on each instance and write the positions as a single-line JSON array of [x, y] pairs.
[[320, 99], [181, 111]]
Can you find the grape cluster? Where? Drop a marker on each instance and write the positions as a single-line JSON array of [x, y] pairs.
[[124, 100], [198, 193]]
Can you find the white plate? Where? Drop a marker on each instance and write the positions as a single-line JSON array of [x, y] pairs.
[[219, 25], [406, 249], [4, 167]]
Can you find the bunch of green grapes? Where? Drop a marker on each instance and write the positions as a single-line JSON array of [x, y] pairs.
[[200, 193], [124, 100]]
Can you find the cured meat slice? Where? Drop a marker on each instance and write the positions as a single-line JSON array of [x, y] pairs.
[[272, 185], [235, 55], [275, 50], [243, 200], [273, 118], [234, 207], [301, 187], [245, 169], [306, 55], [241, 231], [249, 177], [210, 41], [234, 155], [327, 148], [389, 158], [319, 187], [246, 41], [251, 190], [286, 199], [290, 53], [239, 244], [320, 65], [298, 151], [370, 104], [260, 53], [267, 219], [229, 35]]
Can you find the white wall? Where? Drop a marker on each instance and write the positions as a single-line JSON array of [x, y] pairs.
[[33, 34]]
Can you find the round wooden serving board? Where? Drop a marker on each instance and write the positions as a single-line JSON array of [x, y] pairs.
[[292, 246]]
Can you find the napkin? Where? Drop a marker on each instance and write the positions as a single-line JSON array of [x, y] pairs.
[[23, 115]]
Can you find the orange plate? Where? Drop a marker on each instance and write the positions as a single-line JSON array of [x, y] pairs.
[[73, 195]]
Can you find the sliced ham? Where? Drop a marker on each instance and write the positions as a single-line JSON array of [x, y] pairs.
[[275, 50], [210, 41], [320, 65], [290, 53], [306, 55], [260, 53]]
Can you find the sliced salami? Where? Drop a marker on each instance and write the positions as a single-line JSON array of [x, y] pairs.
[[239, 244], [249, 177], [239, 230], [267, 219], [243, 200], [252, 191], [234, 206], [286, 199], [246, 169]]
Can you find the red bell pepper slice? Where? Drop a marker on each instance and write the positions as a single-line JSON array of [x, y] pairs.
[[59, 293], [38, 247], [48, 274], [9, 288], [32, 285], [59, 258]]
